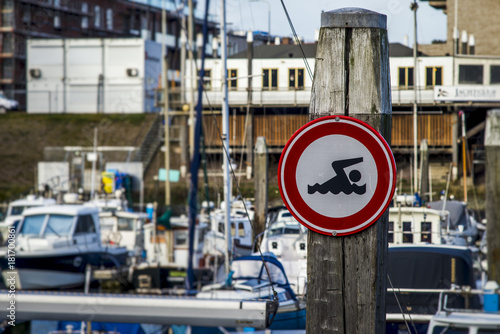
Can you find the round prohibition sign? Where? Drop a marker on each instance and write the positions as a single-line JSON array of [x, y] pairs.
[[336, 175]]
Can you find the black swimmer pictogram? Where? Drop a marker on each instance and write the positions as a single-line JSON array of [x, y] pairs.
[[340, 182]]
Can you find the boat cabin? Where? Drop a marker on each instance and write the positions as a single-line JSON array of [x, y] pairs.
[[64, 225], [416, 225], [123, 228], [16, 208]]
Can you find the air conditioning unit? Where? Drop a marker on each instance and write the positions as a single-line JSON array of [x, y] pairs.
[[35, 73], [132, 72]]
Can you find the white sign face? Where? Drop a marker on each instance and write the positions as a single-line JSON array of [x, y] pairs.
[[317, 165], [336, 175], [465, 93]]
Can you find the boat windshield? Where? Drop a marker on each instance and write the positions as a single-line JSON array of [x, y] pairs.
[[284, 230], [284, 227], [59, 225], [32, 225], [245, 270]]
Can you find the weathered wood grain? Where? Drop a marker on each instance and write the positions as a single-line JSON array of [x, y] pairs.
[[347, 275], [492, 145], [261, 183]]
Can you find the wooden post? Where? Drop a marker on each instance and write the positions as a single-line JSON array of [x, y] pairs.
[[454, 145], [492, 145], [249, 115], [424, 170], [184, 133], [249, 142], [347, 275], [261, 185]]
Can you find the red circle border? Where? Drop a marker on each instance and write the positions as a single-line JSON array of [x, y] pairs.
[[381, 153]]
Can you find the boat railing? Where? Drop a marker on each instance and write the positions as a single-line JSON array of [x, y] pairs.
[[455, 299], [447, 296], [77, 331]]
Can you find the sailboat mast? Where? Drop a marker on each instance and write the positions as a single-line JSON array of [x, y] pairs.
[[165, 101], [225, 136], [414, 8]]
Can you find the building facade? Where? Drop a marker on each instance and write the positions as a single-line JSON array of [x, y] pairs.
[[472, 28], [21, 20], [269, 95]]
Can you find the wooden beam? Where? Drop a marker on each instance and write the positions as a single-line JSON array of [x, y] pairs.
[[347, 275], [261, 185], [492, 146]]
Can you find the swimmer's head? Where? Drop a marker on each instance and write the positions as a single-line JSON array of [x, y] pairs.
[[355, 175]]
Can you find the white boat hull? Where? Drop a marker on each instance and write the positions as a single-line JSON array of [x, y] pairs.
[[33, 279]]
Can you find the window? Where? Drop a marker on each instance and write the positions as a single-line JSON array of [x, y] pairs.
[[32, 225], [405, 77], [85, 19], [17, 210], [180, 238], [59, 225], [26, 15], [7, 5], [7, 19], [233, 230], [407, 233], [241, 230], [97, 16], [109, 19], [296, 78], [495, 74], [433, 76], [426, 232], [7, 68], [7, 43], [85, 224], [125, 224], [232, 82], [470, 74], [390, 232], [270, 79], [57, 21], [207, 79]]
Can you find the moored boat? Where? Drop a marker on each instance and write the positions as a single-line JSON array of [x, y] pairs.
[[258, 277], [287, 240], [16, 208], [54, 245]]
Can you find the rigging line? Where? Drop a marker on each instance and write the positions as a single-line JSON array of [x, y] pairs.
[[251, 225], [251, 16], [297, 41], [189, 43], [241, 15], [233, 173], [238, 189], [397, 284], [399, 304], [195, 160], [237, 185]]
